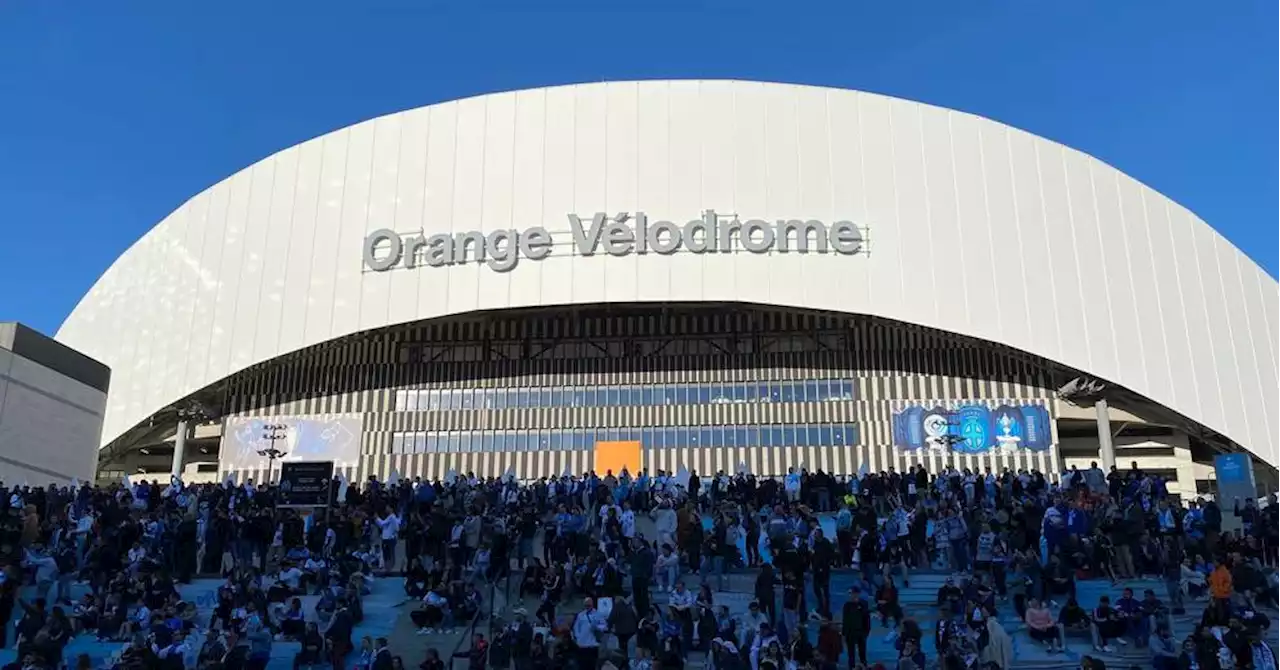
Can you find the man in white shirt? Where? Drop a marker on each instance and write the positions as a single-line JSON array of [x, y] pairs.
[[390, 526], [587, 626], [792, 484], [291, 577]]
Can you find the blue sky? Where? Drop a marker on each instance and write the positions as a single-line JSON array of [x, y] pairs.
[[113, 113]]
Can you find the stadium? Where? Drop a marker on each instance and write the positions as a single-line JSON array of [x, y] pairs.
[[715, 275]]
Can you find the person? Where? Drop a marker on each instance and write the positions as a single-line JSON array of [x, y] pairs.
[[999, 646], [587, 626], [856, 626], [312, 647], [623, 622], [382, 659], [1041, 627], [887, 603], [1108, 624], [1164, 650], [911, 657]]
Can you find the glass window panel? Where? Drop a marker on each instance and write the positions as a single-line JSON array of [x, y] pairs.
[[789, 436], [744, 436], [655, 438], [811, 393], [786, 392], [751, 391], [669, 394], [775, 391], [670, 438], [410, 401], [397, 443], [544, 397], [828, 436], [467, 439], [553, 440], [739, 391], [846, 390], [714, 394], [730, 438], [415, 443], [704, 393], [851, 434], [647, 395], [401, 403]]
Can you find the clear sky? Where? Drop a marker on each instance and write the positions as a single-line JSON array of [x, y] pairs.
[[112, 113]]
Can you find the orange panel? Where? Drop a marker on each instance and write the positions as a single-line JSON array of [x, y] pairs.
[[617, 455]]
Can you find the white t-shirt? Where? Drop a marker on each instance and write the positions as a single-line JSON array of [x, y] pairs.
[[390, 527], [291, 577]]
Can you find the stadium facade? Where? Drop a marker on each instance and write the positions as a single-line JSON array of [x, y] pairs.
[[717, 274]]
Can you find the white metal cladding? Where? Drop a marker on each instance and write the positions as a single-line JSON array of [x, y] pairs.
[[975, 228]]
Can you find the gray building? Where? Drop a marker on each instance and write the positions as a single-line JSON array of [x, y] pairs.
[[52, 401]]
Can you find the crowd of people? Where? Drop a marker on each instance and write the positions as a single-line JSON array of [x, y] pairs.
[[605, 593]]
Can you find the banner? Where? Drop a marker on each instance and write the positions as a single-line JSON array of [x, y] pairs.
[[970, 427], [306, 483], [302, 439], [1236, 485]]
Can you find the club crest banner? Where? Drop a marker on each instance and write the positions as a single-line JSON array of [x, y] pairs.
[[972, 427]]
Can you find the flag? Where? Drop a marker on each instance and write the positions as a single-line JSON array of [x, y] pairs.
[[682, 477], [511, 474], [175, 482], [229, 482], [343, 484], [394, 479], [451, 476], [864, 469], [743, 469], [75, 484], [128, 483]]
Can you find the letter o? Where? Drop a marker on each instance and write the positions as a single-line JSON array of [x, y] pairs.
[[674, 238], [371, 243], [748, 236]]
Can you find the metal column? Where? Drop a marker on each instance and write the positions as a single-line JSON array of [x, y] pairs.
[[1105, 448], [179, 446]]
